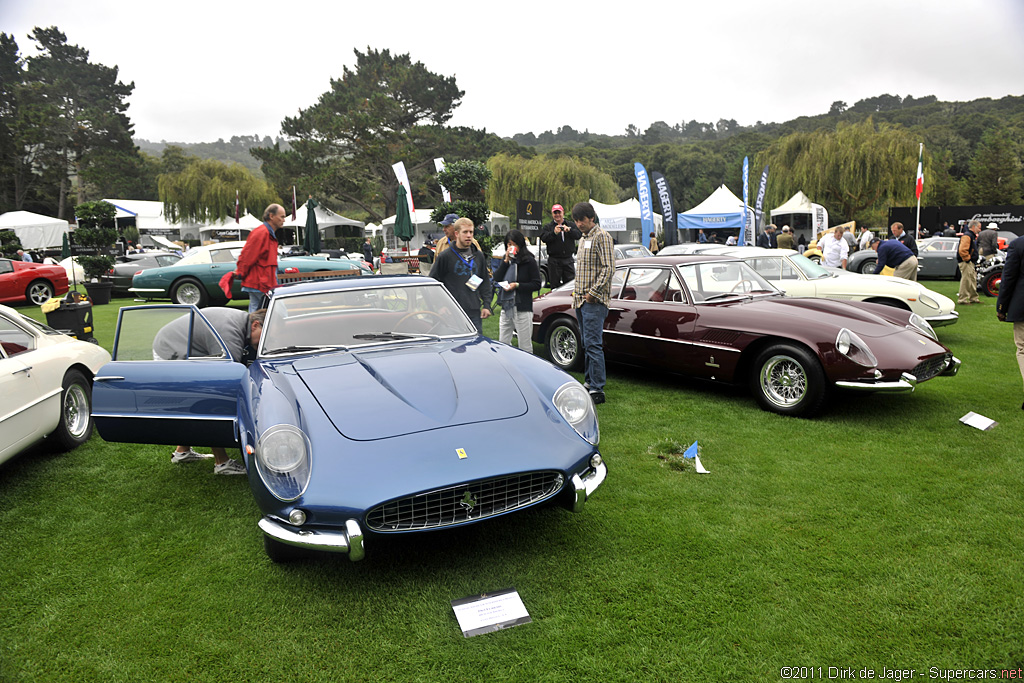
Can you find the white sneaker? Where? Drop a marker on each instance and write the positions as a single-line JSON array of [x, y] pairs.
[[229, 467], [188, 456]]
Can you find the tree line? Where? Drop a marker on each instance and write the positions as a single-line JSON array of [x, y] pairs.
[[66, 137]]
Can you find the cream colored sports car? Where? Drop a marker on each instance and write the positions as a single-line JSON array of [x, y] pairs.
[[798, 276], [45, 385]]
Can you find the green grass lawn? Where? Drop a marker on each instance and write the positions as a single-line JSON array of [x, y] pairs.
[[882, 534]]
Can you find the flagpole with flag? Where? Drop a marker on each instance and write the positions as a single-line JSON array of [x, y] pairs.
[[295, 204], [236, 215], [919, 189]]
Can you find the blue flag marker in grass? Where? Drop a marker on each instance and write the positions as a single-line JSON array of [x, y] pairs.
[[692, 452]]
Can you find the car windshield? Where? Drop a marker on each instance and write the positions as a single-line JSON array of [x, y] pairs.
[[359, 317], [722, 280], [810, 269], [635, 251]]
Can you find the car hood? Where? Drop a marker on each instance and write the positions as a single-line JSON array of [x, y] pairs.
[[804, 313], [409, 388]]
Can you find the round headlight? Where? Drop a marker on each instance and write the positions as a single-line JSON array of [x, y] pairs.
[[283, 448], [922, 326], [573, 402], [854, 348]]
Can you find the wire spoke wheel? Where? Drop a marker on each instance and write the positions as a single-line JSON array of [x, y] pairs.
[[783, 381]]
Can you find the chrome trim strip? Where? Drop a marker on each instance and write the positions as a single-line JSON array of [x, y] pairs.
[[906, 382], [349, 541], [587, 485], [167, 417], [140, 289], [27, 406], [941, 320], [105, 378], [676, 341]]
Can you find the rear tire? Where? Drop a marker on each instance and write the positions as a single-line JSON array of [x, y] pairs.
[[565, 345], [189, 291], [543, 277], [39, 292], [75, 425], [788, 380], [867, 267]]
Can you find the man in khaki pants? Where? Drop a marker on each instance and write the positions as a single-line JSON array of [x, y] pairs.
[[966, 257]]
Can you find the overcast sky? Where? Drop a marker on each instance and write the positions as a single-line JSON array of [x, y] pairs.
[[207, 70]]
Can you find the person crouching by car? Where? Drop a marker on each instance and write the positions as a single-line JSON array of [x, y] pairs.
[[462, 269], [518, 277], [241, 334]]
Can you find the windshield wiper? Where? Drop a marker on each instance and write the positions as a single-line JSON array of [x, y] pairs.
[[302, 349], [723, 294], [394, 335]]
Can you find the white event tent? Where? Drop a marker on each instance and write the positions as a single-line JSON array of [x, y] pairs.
[[34, 230], [802, 215], [722, 210], [623, 217]]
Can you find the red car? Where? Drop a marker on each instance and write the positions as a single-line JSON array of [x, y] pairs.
[[32, 282], [715, 318]]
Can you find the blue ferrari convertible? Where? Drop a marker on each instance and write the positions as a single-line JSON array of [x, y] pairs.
[[372, 407]]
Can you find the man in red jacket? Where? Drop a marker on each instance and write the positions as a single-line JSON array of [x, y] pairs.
[[257, 264]]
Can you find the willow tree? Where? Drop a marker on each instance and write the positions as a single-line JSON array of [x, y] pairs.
[[547, 179], [856, 171], [204, 191]]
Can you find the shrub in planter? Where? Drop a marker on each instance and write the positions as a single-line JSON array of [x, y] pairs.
[[96, 231]]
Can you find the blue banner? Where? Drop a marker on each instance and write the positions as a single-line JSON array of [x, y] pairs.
[[668, 212], [746, 176], [643, 190], [759, 202]]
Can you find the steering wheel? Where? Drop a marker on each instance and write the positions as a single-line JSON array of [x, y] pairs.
[[743, 285], [438, 319]]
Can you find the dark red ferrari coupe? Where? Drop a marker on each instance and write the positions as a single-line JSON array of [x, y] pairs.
[[715, 318], [32, 282]]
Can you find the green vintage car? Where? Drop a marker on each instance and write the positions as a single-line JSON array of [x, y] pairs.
[[195, 279]]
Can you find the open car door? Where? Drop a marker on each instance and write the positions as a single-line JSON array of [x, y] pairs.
[[171, 381]]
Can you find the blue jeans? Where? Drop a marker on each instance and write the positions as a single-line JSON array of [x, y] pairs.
[[257, 299], [591, 318]]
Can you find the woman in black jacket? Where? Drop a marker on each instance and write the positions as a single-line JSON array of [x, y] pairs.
[[517, 278]]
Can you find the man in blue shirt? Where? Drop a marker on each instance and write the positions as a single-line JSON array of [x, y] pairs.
[[897, 256]]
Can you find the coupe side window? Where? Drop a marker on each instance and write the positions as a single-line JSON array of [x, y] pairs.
[[165, 333], [221, 256], [15, 340], [6, 266]]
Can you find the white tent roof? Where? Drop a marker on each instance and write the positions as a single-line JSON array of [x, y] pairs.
[[34, 230], [721, 201], [324, 217], [622, 216], [798, 203]]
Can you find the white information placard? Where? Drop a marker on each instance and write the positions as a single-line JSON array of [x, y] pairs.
[[490, 612], [972, 419]]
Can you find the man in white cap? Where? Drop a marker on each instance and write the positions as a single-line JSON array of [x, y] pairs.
[[988, 242]]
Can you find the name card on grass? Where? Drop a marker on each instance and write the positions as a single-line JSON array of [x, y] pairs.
[[489, 612]]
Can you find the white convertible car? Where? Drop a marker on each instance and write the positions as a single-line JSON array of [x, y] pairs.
[[45, 385], [797, 275]]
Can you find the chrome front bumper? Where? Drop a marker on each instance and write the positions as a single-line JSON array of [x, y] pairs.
[[942, 320], [349, 541], [587, 484], [906, 382]]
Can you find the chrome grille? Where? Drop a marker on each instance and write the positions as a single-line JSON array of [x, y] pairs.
[[464, 502], [930, 368]]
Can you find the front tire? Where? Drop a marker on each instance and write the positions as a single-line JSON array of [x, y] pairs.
[[75, 425], [189, 291], [39, 292], [788, 380], [281, 552], [990, 283], [543, 277], [565, 345]]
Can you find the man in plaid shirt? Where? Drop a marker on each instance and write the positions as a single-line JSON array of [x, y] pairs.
[[595, 263]]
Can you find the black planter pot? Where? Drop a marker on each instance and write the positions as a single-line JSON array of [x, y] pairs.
[[99, 292]]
